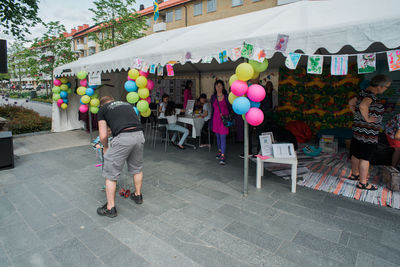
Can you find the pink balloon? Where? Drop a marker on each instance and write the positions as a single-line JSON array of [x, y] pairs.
[[142, 73], [239, 88], [83, 83], [57, 82], [129, 78], [256, 93], [150, 84], [83, 108], [148, 99], [60, 101], [254, 116]]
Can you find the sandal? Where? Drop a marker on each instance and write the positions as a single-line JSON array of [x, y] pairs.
[[365, 186], [354, 177]]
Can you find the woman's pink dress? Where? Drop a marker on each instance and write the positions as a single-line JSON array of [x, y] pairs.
[[187, 95], [218, 125]]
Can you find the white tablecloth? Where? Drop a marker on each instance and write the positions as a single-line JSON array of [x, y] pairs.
[[197, 124]]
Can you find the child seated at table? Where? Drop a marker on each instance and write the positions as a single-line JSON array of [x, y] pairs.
[[163, 106], [171, 115]]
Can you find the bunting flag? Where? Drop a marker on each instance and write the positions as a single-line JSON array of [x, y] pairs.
[[170, 70], [223, 57], [145, 67], [247, 50], [156, 12], [281, 42], [339, 65], [393, 59], [153, 69], [235, 53], [292, 60], [314, 65], [160, 70], [259, 54], [366, 63], [138, 64]]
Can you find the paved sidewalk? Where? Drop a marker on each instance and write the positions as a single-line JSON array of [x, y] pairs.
[[44, 109], [193, 215]]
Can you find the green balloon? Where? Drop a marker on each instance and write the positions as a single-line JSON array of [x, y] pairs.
[[64, 87], [94, 110], [95, 102], [81, 75], [142, 105], [132, 97], [69, 91], [259, 67], [95, 95], [56, 89], [56, 97]]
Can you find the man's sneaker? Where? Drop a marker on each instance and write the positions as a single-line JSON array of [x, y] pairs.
[[218, 156], [138, 199], [103, 211], [222, 161]]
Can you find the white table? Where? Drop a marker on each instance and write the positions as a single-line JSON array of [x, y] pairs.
[[290, 161], [197, 124]]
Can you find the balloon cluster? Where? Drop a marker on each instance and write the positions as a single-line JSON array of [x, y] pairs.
[[61, 90], [245, 98], [89, 97], [138, 88]]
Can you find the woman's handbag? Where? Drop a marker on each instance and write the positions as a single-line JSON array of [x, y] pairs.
[[226, 120]]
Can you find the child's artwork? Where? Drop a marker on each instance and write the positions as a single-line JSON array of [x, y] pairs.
[[393, 59], [247, 50], [235, 53], [292, 60], [153, 69], [366, 63], [145, 67], [259, 54], [160, 70], [314, 65], [138, 64], [281, 42], [170, 70], [222, 57], [339, 65]]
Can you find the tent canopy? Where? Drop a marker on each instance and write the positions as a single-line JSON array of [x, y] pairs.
[[310, 25]]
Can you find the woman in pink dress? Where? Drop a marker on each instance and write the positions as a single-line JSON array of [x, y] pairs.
[[221, 107], [187, 93]]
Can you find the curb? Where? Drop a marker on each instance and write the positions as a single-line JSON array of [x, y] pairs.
[[31, 134]]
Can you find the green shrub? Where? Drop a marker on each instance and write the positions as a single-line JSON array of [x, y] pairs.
[[23, 120], [43, 99]]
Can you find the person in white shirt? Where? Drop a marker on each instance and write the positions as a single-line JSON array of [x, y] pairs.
[[206, 115], [171, 115], [163, 106]]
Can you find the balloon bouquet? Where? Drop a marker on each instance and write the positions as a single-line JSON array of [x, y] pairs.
[[61, 90], [89, 97], [244, 97], [138, 88]]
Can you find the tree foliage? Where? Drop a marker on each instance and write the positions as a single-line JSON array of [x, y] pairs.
[[17, 16], [17, 63], [119, 22]]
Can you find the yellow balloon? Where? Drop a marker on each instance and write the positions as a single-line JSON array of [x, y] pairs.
[[64, 87], [146, 113], [255, 76], [244, 71], [232, 79], [133, 74], [64, 106], [64, 80], [231, 97], [143, 93], [95, 102], [85, 99], [141, 82], [81, 90]]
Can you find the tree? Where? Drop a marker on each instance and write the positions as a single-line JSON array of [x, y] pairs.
[[53, 49], [17, 16], [118, 21], [17, 61]]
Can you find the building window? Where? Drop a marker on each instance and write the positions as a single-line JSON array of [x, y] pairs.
[[237, 2], [169, 16], [198, 9], [148, 22], [100, 36], [84, 53], [77, 41], [85, 40], [211, 6], [178, 14], [92, 51]]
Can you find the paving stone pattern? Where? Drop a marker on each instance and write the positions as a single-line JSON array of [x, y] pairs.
[[194, 214]]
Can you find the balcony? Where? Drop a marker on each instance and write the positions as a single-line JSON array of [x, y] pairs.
[[91, 43], [159, 27], [80, 47]]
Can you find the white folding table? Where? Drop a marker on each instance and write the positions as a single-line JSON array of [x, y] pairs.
[[289, 161]]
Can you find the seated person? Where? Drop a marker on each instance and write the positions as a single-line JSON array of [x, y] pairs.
[[163, 106], [171, 115], [392, 131], [205, 114]]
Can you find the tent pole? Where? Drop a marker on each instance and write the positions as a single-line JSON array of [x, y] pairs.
[[90, 125], [246, 158]]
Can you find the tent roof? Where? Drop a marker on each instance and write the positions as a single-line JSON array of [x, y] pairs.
[[311, 25]]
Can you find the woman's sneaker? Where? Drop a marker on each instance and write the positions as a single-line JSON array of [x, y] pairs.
[[218, 156], [222, 160]]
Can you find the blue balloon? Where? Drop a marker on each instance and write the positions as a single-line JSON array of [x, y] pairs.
[[80, 100], [65, 100], [63, 94], [93, 86], [130, 86], [255, 104], [89, 91], [68, 84], [241, 105], [137, 111]]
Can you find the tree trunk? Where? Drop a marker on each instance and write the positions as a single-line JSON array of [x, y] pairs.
[[113, 35]]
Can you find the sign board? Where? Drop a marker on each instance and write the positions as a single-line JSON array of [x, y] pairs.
[[94, 79], [266, 141], [189, 108]]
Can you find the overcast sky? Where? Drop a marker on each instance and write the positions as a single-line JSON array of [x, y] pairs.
[[71, 13]]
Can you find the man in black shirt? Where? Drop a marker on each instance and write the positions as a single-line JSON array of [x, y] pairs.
[[126, 146]]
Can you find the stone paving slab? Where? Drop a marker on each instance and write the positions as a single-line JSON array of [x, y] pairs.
[[194, 214]]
